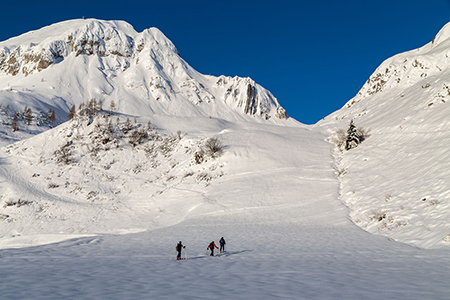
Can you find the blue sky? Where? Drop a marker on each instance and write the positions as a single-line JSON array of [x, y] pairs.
[[312, 55]]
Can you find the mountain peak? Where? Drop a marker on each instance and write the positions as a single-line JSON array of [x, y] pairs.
[[443, 34], [142, 73]]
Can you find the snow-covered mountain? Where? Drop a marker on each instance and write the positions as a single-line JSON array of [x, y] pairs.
[[138, 74], [396, 182], [166, 154]]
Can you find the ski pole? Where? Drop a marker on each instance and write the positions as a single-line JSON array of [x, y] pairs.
[[185, 253]]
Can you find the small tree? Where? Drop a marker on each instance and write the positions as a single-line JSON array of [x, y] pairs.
[[51, 116], [92, 107], [353, 137], [15, 122], [64, 154], [72, 113], [112, 107], [28, 115], [127, 126]]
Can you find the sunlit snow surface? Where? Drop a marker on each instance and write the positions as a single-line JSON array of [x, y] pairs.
[[288, 236]]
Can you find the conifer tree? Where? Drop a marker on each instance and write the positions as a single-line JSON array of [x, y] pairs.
[[112, 107], [51, 115], [28, 115], [15, 120], [72, 112], [353, 138]]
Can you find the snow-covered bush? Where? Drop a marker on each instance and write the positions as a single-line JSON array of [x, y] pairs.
[[64, 154], [168, 145], [137, 136]]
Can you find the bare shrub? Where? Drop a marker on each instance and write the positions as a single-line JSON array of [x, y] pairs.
[[137, 137], [433, 203], [339, 139], [168, 145], [447, 238], [18, 203], [340, 171], [378, 215], [91, 195], [188, 174], [387, 197], [52, 186], [214, 147], [363, 133], [203, 176], [199, 157]]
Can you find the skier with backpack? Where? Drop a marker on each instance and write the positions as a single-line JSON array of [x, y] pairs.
[[211, 247], [179, 247], [222, 245]]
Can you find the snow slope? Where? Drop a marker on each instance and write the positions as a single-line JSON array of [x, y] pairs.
[[396, 182]]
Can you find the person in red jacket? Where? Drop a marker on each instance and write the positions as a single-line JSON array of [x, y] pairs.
[[211, 247]]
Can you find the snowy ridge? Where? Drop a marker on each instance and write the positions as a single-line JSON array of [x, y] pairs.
[[139, 73], [395, 182]]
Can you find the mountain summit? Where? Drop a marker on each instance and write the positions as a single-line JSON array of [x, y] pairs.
[[74, 61]]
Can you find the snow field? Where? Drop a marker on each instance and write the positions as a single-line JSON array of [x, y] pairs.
[[288, 236], [263, 261]]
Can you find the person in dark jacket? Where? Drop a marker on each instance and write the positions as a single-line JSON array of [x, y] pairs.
[[211, 247], [179, 247], [222, 245]]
